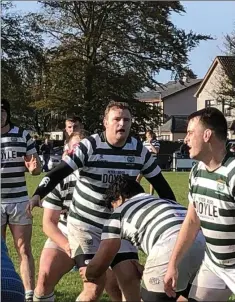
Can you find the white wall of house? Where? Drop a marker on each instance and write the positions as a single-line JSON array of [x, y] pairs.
[[174, 137], [210, 91], [178, 136], [57, 135], [181, 103]]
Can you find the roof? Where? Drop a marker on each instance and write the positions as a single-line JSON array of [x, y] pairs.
[[175, 124], [228, 64], [166, 90]]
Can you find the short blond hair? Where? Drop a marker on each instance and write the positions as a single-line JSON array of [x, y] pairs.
[[119, 105]]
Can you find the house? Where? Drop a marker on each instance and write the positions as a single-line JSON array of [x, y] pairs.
[[209, 92], [174, 129], [175, 98]]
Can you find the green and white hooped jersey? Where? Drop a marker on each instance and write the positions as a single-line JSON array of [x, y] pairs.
[[213, 196]]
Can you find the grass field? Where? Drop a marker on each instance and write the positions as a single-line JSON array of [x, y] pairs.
[[70, 285]]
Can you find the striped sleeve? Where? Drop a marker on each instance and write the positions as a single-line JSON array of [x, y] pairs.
[[231, 181], [150, 167], [112, 227], [79, 156], [30, 144], [155, 143], [54, 200]]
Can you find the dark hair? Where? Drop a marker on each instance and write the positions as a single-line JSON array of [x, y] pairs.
[[74, 119], [151, 133], [213, 119], [123, 186]]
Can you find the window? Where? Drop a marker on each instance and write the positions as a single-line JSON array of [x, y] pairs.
[[210, 103]]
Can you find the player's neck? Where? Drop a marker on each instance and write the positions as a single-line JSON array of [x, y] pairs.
[[214, 160], [5, 129], [114, 142]]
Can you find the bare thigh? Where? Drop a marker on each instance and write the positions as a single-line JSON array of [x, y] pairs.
[[22, 235]]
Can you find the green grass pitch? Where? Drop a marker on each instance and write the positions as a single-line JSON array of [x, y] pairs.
[[70, 285]]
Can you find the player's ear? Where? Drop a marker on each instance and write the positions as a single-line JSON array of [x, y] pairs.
[[105, 122]]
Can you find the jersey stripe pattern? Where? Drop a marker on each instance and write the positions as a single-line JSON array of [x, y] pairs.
[[212, 194], [155, 143], [145, 220], [15, 144], [99, 163], [60, 199]]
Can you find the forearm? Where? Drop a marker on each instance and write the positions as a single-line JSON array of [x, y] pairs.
[[52, 231], [162, 187], [186, 237], [96, 269], [52, 178]]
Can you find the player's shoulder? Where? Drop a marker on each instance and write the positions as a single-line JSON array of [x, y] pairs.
[[229, 164], [195, 168]]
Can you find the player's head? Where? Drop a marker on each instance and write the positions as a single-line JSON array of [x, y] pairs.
[[73, 124], [5, 113], [117, 123], [206, 128], [120, 190], [150, 134], [76, 137]]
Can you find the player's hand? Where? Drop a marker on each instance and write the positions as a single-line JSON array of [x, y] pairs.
[[82, 272], [31, 165], [170, 281], [34, 202], [65, 154], [139, 267]]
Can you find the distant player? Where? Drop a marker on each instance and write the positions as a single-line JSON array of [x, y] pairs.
[[153, 145]]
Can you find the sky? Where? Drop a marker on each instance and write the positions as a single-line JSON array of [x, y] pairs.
[[215, 18]]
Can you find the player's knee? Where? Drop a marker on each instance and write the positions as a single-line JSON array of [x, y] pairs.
[[24, 251]]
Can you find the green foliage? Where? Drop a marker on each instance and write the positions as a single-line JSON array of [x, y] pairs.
[[98, 51]]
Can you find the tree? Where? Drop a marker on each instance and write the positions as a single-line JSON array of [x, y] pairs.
[[107, 50], [225, 91], [21, 62]]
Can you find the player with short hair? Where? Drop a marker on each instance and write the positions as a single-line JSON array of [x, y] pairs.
[[72, 124], [211, 209], [18, 155], [55, 259], [152, 225], [100, 158]]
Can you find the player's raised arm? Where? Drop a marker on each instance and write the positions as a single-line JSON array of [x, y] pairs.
[[68, 165], [162, 187]]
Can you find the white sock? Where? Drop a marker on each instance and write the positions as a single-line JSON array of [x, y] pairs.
[[29, 295], [47, 298]]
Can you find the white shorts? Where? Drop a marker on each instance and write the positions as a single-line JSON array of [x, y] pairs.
[[84, 242], [158, 260], [50, 244], [15, 213], [213, 283]]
